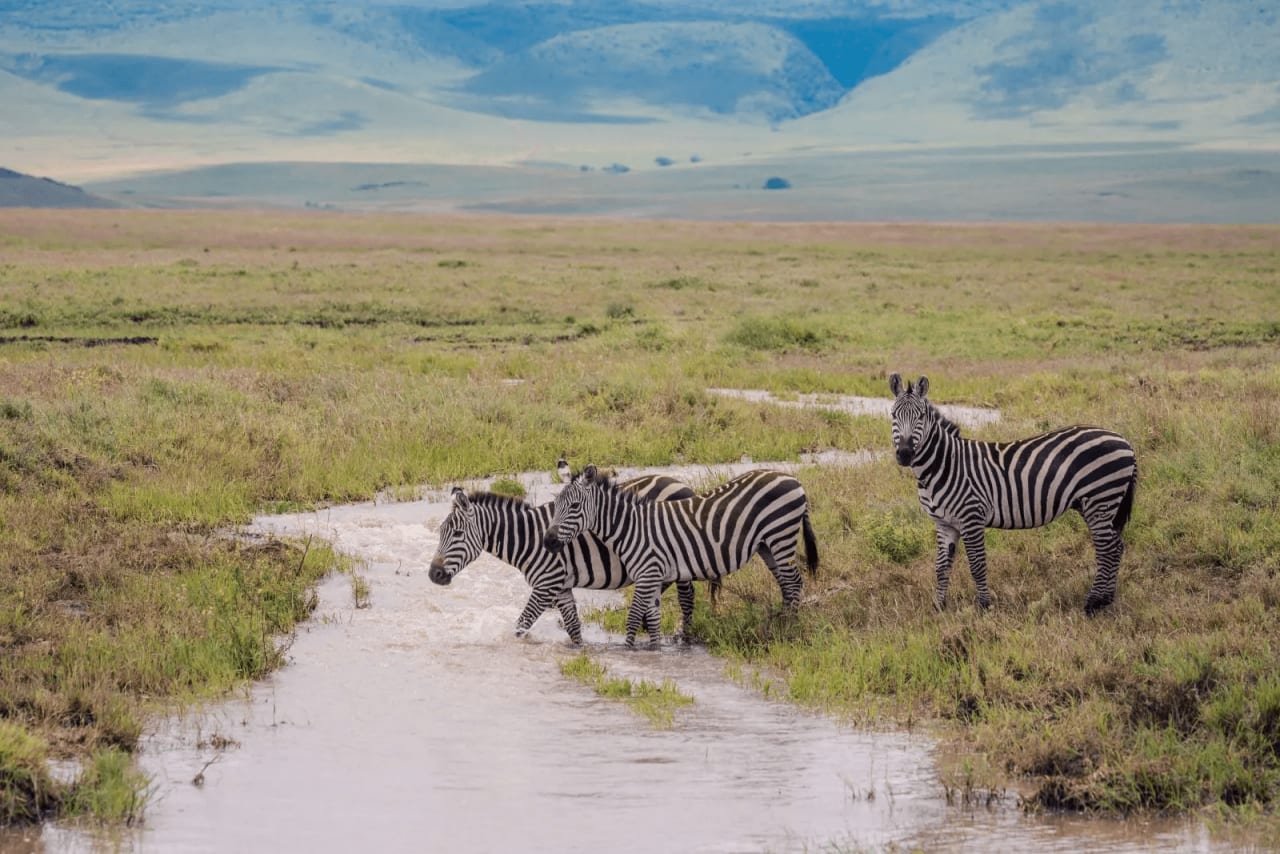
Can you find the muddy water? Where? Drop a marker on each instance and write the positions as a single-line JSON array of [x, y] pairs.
[[422, 724]]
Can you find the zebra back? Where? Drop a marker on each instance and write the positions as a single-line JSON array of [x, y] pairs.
[[703, 537], [1023, 483]]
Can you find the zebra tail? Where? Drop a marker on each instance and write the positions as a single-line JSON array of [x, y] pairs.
[[810, 545], [1126, 504]]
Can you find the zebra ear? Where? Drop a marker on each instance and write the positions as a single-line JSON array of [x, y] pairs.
[[922, 386], [589, 474], [562, 469], [895, 385], [460, 499]]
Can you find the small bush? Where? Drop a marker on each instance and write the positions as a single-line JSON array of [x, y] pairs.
[[778, 334], [15, 410], [895, 539], [26, 791], [508, 486], [110, 789]]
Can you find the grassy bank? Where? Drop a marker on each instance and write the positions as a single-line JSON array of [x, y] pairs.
[[243, 362]]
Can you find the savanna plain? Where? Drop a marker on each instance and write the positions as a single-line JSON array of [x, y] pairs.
[[165, 376]]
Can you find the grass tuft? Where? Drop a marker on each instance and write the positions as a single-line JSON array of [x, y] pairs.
[[110, 789], [26, 791], [655, 702]]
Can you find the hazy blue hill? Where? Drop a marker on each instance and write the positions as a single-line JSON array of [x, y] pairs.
[[746, 69], [621, 92], [854, 49], [154, 81], [26, 191], [540, 60]]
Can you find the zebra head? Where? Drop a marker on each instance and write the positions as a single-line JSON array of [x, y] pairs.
[[912, 417], [573, 507], [460, 540]]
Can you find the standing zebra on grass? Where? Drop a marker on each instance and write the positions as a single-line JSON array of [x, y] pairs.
[[968, 486], [513, 530], [705, 537]]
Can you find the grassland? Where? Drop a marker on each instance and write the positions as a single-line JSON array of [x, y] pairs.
[[260, 361]]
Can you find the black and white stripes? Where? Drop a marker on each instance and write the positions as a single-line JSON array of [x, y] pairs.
[[704, 537], [968, 486], [514, 531]]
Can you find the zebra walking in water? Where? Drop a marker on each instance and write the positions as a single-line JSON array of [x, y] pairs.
[[968, 486], [513, 530], [705, 537]]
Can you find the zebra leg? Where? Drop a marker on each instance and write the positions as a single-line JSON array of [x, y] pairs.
[[569, 614], [785, 573], [947, 537], [644, 610], [684, 592], [539, 600], [975, 549], [653, 623], [1108, 545]]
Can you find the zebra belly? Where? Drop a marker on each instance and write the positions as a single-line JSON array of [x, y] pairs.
[[594, 566]]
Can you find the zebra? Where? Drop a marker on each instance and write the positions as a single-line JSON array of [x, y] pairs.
[[704, 537], [513, 530], [967, 486]]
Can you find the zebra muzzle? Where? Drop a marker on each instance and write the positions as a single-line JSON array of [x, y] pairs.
[[551, 542], [438, 573], [904, 453]]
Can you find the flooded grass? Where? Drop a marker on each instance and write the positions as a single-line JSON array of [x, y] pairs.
[[657, 703], [110, 789], [301, 360]]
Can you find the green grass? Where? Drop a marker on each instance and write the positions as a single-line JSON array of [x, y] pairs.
[[26, 791], [656, 703], [110, 789], [301, 359]]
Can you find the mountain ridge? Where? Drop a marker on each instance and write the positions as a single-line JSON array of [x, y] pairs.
[[96, 91]]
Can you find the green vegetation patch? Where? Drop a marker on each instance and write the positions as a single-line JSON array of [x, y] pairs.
[[657, 703], [779, 334], [26, 791]]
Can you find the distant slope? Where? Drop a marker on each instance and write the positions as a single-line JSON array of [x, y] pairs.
[[25, 191], [748, 70], [1087, 71]]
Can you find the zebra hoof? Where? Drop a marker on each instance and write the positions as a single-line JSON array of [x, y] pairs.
[[984, 604], [521, 632], [1093, 604]]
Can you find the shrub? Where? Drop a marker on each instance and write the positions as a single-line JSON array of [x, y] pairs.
[[777, 333], [26, 791]]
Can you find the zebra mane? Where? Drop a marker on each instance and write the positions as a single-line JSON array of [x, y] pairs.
[[945, 423], [492, 499], [610, 484]]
